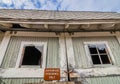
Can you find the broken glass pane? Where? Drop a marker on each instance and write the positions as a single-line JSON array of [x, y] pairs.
[[92, 49], [101, 48]]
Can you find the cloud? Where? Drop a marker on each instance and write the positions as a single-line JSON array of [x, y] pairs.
[[23, 4], [49, 5], [8, 2], [91, 5], [66, 5]]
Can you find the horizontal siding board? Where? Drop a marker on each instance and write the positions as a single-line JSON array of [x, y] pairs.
[[90, 80], [11, 54], [103, 80], [100, 80], [20, 80], [81, 58]]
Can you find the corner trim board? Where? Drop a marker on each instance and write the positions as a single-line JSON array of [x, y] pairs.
[[4, 45]]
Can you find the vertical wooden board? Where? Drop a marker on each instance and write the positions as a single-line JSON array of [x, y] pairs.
[[80, 55], [76, 50], [3, 46], [70, 52], [62, 53], [1, 36], [7, 81], [53, 53]]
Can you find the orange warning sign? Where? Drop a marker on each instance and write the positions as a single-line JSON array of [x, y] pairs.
[[52, 74]]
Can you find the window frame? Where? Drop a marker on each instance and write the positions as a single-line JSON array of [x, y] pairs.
[[21, 54], [109, 52]]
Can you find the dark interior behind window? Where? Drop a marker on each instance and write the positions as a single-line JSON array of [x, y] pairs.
[[32, 56], [99, 54], [95, 59]]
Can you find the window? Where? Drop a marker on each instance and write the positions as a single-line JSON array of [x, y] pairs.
[[99, 53], [32, 54]]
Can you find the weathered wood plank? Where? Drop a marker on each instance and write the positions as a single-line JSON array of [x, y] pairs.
[[53, 83]]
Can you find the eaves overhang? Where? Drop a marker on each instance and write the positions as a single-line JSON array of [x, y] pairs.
[[60, 25], [52, 21]]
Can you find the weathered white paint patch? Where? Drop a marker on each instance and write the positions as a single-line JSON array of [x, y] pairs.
[[70, 52], [98, 71], [37, 72], [25, 72], [62, 53]]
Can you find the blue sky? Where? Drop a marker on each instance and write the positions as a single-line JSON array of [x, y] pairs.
[[65, 5]]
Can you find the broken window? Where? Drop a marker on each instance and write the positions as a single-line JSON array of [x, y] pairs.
[[99, 53], [32, 56]]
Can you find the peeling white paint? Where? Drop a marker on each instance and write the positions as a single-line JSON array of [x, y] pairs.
[[70, 52], [36, 72], [98, 71], [25, 72], [62, 53]]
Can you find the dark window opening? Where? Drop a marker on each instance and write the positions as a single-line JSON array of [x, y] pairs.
[[105, 59], [92, 49], [32, 56], [95, 59], [99, 54], [17, 26]]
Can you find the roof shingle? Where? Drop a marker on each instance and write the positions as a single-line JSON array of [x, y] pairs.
[[55, 15]]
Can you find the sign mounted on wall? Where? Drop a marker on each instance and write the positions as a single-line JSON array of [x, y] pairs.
[[52, 74]]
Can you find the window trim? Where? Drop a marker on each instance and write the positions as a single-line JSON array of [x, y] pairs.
[[111, 57], [21, 52]]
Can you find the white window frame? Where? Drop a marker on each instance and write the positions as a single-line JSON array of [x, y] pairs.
[[20, 55], [111, 57]]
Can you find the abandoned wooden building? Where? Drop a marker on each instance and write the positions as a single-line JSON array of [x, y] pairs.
[[84, 45]]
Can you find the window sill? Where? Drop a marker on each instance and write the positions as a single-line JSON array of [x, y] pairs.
[[102, 65], [30, 66]]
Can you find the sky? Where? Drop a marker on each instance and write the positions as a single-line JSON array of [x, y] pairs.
[[63, 5]]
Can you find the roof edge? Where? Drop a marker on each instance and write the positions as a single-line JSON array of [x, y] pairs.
[[60, 10]]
